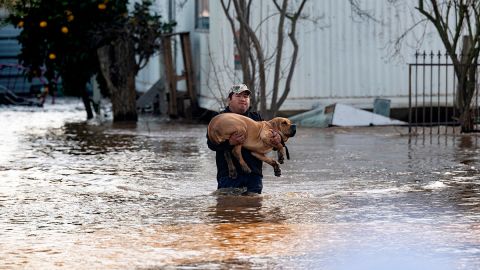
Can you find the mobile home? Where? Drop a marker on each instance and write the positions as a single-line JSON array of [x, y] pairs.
[[345, 56]]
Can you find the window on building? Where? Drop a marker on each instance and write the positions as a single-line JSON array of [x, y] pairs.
[[202, 14]]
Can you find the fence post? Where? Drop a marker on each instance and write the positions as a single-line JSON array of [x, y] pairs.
[[410, 99]]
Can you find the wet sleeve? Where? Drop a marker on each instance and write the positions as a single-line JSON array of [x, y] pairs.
[[259, 117], [225, 146], [256, 116]]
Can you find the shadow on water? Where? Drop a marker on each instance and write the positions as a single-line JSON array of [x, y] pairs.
[[83, 139], [468, 150], [466, 194], [86, 139]]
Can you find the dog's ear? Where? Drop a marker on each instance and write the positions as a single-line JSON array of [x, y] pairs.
[[275, 122], [284, 125]]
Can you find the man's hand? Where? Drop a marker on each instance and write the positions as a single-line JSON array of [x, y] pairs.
[[275, 139], [236, 138]]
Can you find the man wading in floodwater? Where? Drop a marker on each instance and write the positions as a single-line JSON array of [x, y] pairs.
[[239, 102]]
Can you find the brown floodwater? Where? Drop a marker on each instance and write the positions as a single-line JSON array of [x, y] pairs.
[[97, 195]]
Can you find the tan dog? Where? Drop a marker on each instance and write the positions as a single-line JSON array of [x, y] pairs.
[[258, 137]]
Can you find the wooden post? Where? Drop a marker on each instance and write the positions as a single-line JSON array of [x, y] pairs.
[[187, 63], [170, 76]]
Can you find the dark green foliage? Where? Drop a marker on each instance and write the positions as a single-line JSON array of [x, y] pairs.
[[74, 31]]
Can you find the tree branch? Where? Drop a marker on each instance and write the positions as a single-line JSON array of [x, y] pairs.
[[293, 39], [278, 59]]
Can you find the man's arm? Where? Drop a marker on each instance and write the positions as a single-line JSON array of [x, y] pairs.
[[217, 147], [255, 116], [234, 139]]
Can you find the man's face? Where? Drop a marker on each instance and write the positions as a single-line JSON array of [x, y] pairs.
[[239, 103]]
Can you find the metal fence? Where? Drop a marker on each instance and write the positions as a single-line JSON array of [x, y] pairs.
[[432, 94]]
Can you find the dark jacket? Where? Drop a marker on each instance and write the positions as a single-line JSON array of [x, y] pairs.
[[222, 167]]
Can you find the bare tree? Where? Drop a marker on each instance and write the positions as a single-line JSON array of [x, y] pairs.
[[252, 53], [457, 23], [455, 20]]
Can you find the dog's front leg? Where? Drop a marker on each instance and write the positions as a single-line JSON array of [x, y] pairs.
[[275, 140], [281, 155], [272, 162]]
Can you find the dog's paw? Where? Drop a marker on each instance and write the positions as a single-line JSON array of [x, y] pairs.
[[281, 160], [277, 171]]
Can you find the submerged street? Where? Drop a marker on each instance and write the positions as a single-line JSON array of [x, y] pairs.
[[93, 195]]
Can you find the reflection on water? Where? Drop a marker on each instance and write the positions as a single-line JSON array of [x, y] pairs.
[[243, 209], [83, 195]]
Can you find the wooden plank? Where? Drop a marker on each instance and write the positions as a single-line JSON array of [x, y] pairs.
[[187, 61], [180, 77], [170, 76]]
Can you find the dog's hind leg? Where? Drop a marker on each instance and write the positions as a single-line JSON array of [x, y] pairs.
[[232, 171], [272, 162], [237, 152]]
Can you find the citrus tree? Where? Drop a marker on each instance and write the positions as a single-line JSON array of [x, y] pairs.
[[63, 38], [123, 49]]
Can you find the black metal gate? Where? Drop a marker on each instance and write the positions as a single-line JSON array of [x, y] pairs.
[[432, 95]]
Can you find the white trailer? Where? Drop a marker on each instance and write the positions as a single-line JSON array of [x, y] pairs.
[[343, 58]]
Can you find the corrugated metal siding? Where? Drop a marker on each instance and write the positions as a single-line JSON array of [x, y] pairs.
[[342, 59], [216, 61]]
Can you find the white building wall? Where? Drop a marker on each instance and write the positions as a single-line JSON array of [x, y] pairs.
[[342, 57], [153, 71], [184, 16]]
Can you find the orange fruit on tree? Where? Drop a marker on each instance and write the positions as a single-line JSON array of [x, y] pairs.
[[52, 56], [20, 24], [102, 6], [64, 30], [43, 24], [69, 15]]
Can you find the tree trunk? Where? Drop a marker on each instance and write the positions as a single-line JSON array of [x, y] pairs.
[[466, 86], [278, 59], [242, 18], [468, 89], [118, 66], [242, 43]]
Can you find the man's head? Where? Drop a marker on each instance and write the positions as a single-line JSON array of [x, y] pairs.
[[239, 98]]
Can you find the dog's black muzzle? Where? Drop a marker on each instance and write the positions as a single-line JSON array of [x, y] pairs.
[[293, 130]]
